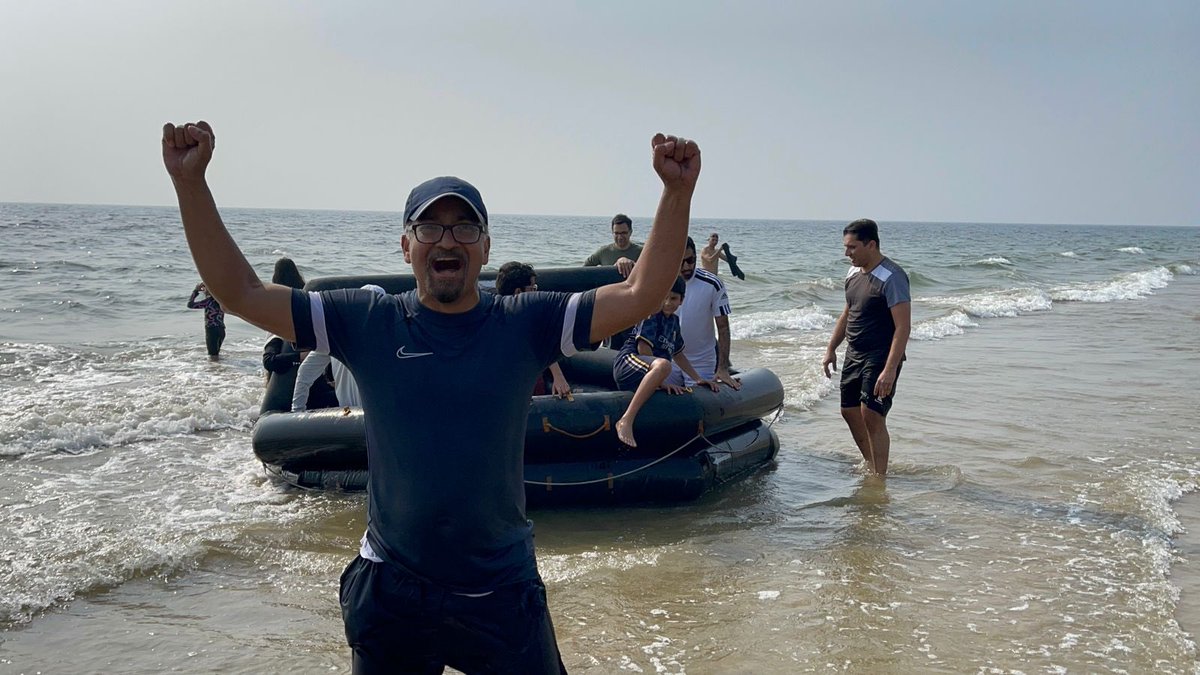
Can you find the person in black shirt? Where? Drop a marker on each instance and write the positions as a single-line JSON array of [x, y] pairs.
[[446, 574]]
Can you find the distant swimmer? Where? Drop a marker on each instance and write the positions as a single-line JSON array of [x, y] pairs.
[[712, 255], [875, 323], [214, 320]]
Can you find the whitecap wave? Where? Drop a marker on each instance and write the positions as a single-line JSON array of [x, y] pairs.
[[757, 324], [1183, 268], [1069, 254], [76, 532], [1125, 287], [828, 283], [954, 323], [1131, 249], [65, 400], [991, 304], [994, 261]]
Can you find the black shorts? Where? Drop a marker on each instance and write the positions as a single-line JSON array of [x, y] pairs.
[[859, 373], [398, 623], [630, 369]]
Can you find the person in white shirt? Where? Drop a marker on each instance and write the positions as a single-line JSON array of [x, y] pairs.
[[343, 382], [704, 320]]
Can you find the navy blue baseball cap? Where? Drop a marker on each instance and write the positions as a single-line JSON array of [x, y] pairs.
[[443, 186]]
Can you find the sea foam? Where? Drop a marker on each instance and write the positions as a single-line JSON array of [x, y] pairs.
[[1002, 303], [954, 323], [994, 261], [1124, 287], [758, 324]]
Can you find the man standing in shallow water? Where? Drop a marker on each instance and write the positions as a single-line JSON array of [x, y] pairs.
[[446, 573], [876, 323], [711, 256], [622, 253]]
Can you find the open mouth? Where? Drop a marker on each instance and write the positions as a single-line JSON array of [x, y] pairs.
[[444, 265]]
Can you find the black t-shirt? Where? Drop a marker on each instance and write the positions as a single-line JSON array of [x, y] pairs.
[[445, 398]]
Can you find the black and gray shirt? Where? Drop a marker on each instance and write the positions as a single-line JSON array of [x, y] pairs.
[[870, 297]]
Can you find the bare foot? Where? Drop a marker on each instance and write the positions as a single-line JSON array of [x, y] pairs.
[[625, 432]]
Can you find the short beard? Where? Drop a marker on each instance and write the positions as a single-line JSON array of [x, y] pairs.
[[446, 293]]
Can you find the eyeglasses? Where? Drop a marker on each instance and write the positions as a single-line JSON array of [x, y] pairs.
[[690, 260], [620, 233], [432, 233]]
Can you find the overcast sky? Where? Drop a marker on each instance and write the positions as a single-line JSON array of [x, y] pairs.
[[1042, 111]]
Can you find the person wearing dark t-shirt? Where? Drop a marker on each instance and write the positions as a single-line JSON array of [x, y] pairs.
[[446, 574], [875, 323], [644, 362]]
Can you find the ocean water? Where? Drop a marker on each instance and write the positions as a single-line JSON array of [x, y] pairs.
[[1036, 517]]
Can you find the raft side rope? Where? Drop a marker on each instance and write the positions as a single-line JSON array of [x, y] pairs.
[[609, 478], [549, 484]]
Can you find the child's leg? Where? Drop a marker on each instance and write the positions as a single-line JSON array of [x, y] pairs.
[[659, 370]]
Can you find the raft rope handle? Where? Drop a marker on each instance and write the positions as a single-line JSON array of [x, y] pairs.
[[757, 432], [547, 428]]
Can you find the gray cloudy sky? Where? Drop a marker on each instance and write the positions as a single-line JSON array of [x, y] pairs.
[[1041, 111]]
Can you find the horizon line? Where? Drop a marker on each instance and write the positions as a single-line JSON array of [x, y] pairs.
[[644, 218]]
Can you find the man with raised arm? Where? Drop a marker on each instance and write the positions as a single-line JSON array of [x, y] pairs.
[[876, 323], [446, 573]]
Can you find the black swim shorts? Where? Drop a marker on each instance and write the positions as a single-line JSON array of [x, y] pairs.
[[398, 623], [859, 373]]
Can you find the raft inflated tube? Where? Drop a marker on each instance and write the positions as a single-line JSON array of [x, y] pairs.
[[334, 438]]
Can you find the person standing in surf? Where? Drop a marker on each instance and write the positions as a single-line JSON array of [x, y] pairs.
[[875, 323], [214, 320], [446, 573]]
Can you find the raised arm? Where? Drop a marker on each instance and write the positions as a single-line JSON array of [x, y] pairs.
[[187, 150], [620, 305]]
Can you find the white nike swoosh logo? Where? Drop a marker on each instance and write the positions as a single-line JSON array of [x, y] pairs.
[[401, 354]]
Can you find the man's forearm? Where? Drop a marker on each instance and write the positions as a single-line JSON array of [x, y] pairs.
[[899, 344], [839, 333], [723, 347]]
